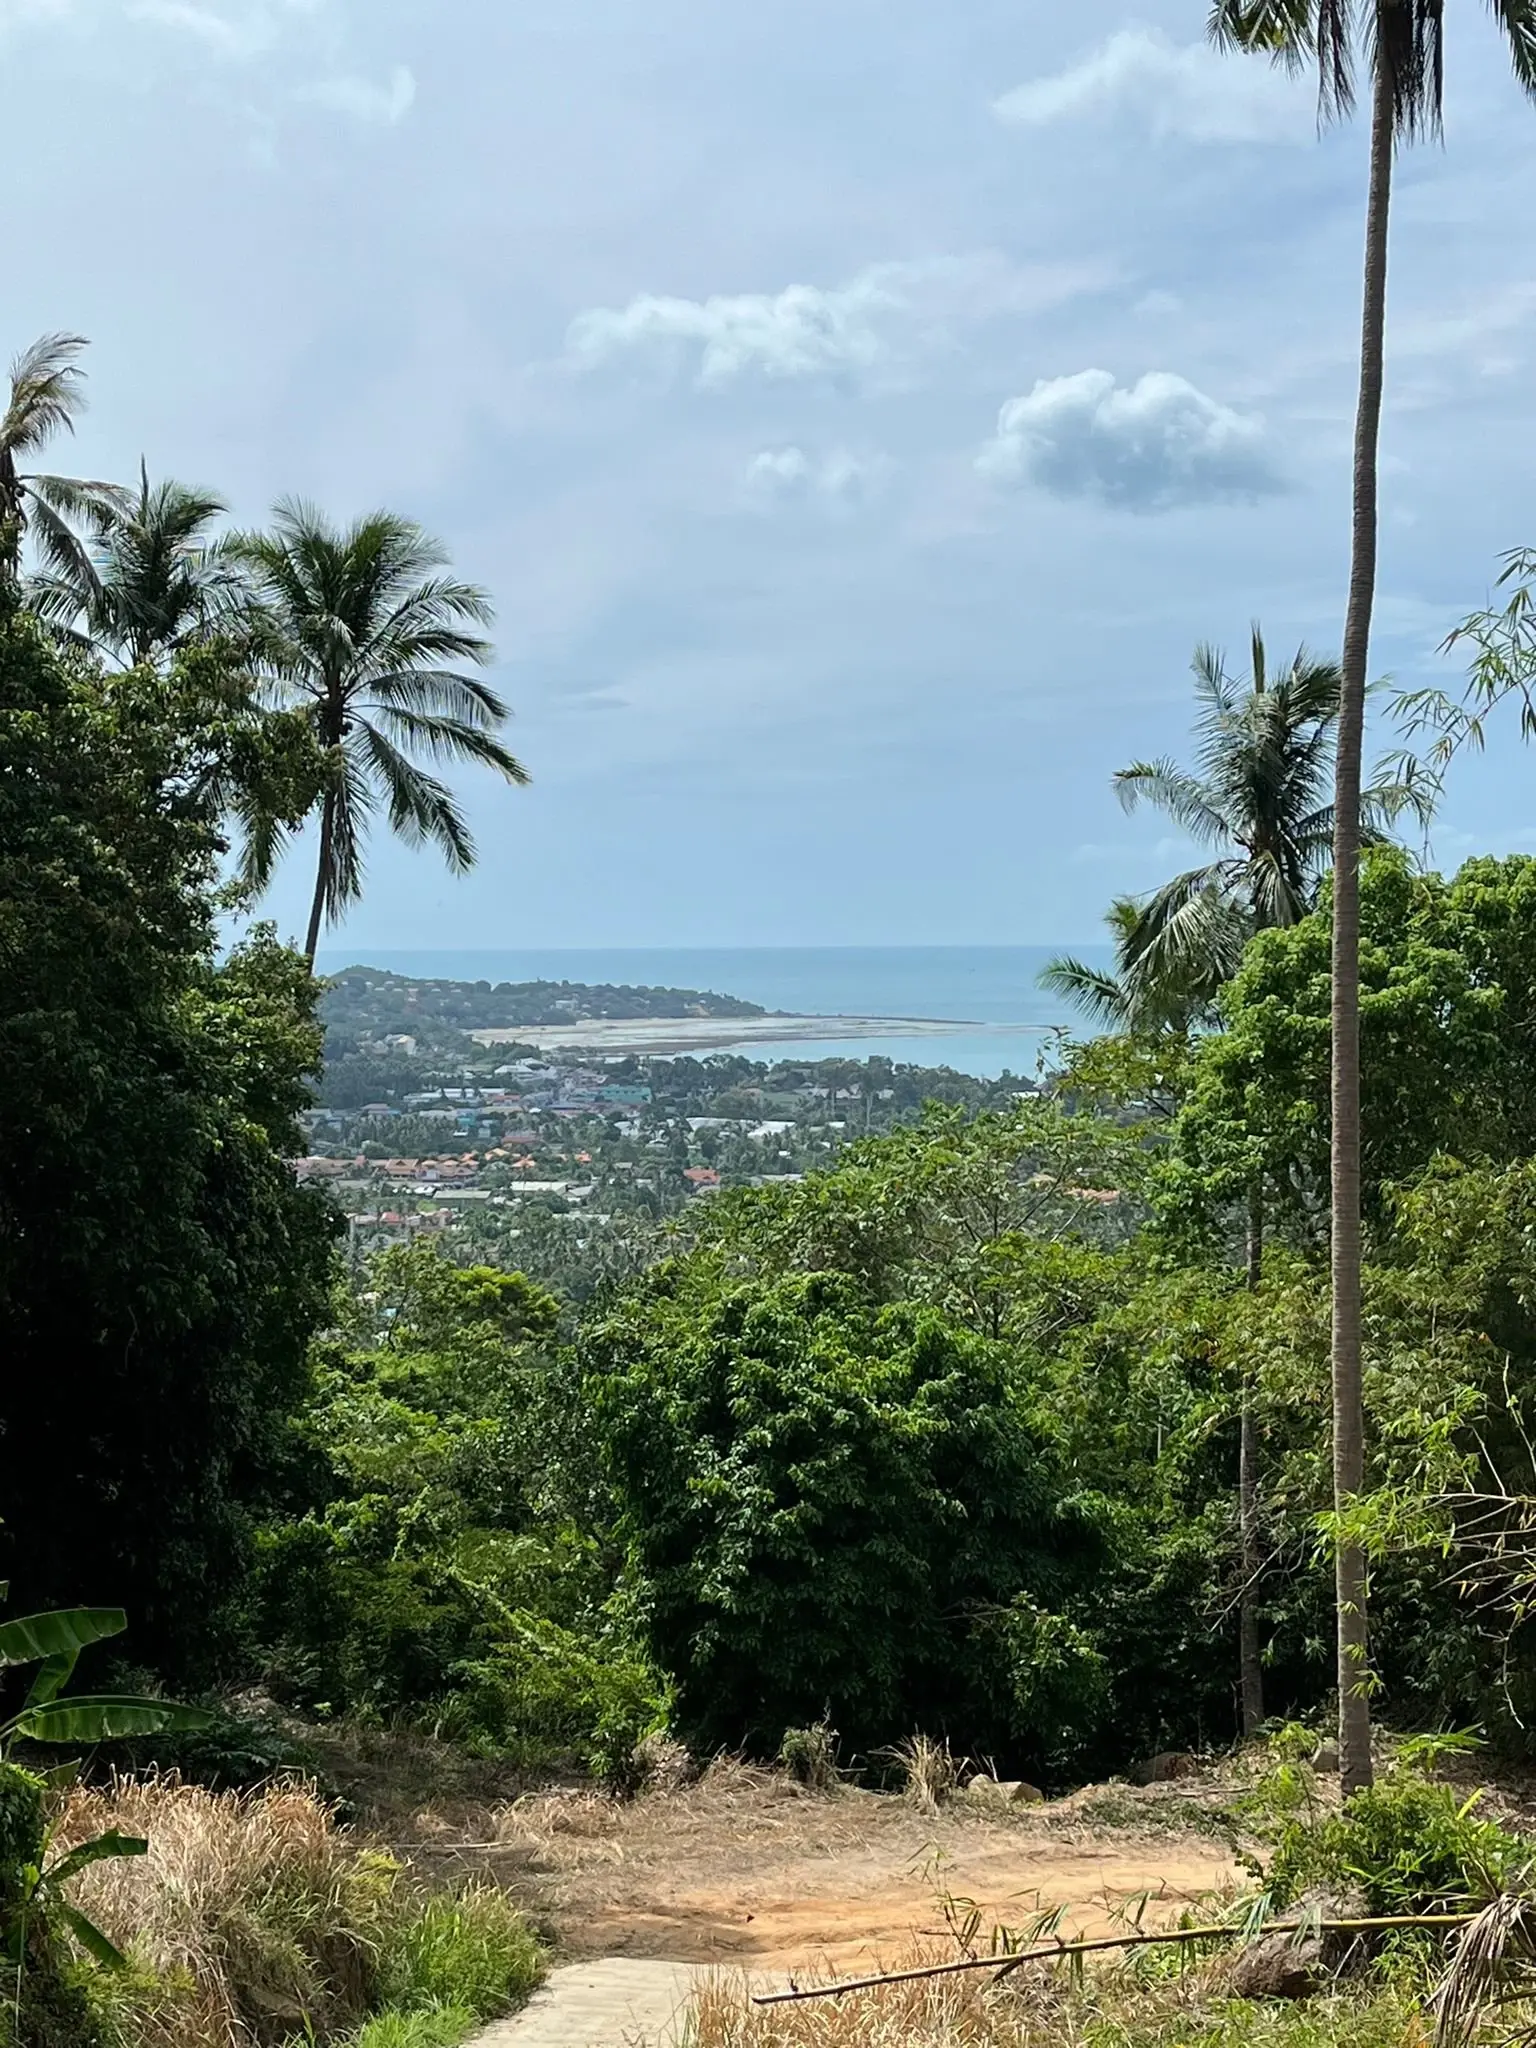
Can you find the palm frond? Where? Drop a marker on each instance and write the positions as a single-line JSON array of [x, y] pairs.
[[1098, 995], [1178, 795], [446, 739], [1517, 18], [47, 393], [420, 807]]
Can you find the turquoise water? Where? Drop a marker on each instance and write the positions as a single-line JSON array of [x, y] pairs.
[[992, 988]]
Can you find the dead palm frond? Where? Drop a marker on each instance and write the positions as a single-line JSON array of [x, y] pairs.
[[1494, 1969]]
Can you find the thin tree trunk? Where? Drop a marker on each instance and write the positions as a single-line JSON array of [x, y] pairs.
[[322, 875], [1348, 1408], [1250, 1668]]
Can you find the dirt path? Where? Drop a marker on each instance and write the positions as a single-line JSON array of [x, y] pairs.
[[746, 1870]]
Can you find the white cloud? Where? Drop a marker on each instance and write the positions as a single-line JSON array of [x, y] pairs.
[[1144, 447], [839, 478], [234, 29], [388, 103], [1183, 89], [806, 330]]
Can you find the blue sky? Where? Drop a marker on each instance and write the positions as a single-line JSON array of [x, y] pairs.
[[858, 409]]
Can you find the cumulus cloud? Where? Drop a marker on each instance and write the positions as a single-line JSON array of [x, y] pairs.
[[366, 100], [1181, 89], [810, 331], [1143, 447], [839, 478]]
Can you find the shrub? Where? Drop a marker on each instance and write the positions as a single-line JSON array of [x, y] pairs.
[[810, 1756], [1405, 1845], [474, 1951]]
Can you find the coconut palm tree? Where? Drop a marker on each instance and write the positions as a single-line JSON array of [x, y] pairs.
[[1259, 798], [47, 395], [357, 627], [1121, 1000], [154, 578], [1400, 42]]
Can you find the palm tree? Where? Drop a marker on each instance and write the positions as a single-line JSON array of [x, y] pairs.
[[47, 396], [153, 580], [357, 627], [1122, 1000], [1258, 797], [1401, 43]]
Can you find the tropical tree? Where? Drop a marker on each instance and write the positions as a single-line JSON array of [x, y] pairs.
[[1400, 43], [1120, 999], [1258, 798], [47, 396], [356, 627], [154, 579]]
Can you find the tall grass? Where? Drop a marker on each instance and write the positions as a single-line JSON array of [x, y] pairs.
[[254, 1920]]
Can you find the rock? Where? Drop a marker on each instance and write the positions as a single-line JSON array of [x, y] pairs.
[[1162, 1770], [1326, 1760], [1296, 1966], [1279, 1966], [1003, 1791]]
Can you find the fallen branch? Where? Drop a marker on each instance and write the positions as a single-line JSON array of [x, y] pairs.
[[1004, 1964]]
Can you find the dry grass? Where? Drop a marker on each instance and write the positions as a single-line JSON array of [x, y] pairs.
[[251, 1915], [1038, 2007]]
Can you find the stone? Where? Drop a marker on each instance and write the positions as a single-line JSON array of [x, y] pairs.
[[1003, 1791], [1164, 1769], [1326, 1760], [1278, 1966]]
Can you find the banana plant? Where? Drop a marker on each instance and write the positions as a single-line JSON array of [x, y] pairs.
[[53, 1642]]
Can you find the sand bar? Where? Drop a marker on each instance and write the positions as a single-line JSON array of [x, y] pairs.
[[710, 1034]]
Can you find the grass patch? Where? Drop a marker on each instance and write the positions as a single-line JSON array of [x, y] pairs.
[[474, 1951], [433, 2026]]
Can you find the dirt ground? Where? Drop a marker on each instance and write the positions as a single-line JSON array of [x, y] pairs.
[[744, 1867]]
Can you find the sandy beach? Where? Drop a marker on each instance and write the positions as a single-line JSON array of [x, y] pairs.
[[662, 1035]]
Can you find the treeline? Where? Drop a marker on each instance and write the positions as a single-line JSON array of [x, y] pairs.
[[362, 1004]]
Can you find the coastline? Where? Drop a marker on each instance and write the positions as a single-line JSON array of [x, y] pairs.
[[662, 1035]]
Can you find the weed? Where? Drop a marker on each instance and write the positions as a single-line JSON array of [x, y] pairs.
[[431, 2026], [929, 1772], [810, 1756]]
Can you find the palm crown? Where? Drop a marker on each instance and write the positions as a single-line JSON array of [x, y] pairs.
[[46, 397], [359, 627], [1258, 796], [153, 579]]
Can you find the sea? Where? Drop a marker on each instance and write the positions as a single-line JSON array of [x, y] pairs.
[[991, 995]]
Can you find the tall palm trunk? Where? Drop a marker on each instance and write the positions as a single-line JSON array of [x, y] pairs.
[[322, 874], [1348, 1408], [1250, 1668]]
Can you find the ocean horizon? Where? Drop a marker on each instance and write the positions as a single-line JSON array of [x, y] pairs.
[[994, 989]]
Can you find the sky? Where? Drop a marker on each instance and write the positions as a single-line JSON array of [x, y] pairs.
[[857, 409]]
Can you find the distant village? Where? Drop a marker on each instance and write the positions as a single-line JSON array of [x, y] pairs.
[[569, 1167]]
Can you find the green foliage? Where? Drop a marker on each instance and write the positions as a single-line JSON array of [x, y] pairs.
[[441, 1574], [831, 1503], [434, 2026], [1405, 1845], [160, 1273], [810, 1756], [473, 1951]]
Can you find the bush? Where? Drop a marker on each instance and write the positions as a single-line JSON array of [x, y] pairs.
[[253, 1919], [1405, 1845], [474, 1951], [829, 1503]]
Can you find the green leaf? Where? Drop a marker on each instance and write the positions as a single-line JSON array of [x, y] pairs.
[[39, 1638], [102, 1718], [90, 1937], [100, 1849]]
